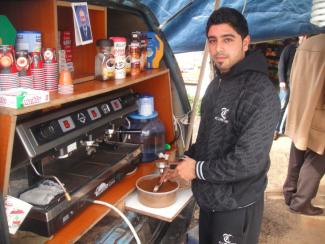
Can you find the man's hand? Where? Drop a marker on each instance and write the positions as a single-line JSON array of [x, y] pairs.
[[186, 168]]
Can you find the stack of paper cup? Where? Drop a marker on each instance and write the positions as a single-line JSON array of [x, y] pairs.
[[38, 79], [51, 75], [8, 81], [65, 82], [26, 81]]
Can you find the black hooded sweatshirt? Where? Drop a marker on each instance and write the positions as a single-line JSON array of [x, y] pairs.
[[239, 112]]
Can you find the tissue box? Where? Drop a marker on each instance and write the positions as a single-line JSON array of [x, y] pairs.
[[23, 97]]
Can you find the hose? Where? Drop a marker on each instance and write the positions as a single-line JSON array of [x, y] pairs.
[[121, 214]]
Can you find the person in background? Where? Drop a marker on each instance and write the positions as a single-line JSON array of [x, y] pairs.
[[284, 68], [306, 126], [228, 164]]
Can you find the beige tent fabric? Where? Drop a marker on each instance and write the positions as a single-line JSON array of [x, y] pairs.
[[306, 108]]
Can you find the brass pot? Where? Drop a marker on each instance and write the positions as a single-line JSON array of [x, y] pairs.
[[165, 197]]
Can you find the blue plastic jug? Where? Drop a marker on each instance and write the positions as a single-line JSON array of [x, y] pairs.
[[152, 137]]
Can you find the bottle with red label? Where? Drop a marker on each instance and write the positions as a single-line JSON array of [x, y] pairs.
[[127, 59], [143, 46], [135, 53]]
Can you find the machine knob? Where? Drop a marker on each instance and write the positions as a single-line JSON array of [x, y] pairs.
[[48, 131], [119, 176]]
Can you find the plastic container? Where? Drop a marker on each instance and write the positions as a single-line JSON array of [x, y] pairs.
[[152, 138], [29, 40], [119, 55], [146, 105], [155, 50]]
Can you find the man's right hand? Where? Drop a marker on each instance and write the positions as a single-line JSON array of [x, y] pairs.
[[168, 174]]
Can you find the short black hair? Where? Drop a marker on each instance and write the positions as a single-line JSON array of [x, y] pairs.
[[229, 16]]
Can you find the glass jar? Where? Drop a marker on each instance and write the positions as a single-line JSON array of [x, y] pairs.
[[108, 67], [104, 49]]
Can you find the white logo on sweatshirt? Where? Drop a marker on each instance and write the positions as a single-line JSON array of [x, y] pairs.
[[226, 239], [223, 116]]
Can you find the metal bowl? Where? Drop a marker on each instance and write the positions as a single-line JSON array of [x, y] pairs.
[[165, 197]]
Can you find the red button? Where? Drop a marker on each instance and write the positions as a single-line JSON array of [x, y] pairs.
[[66, 124], [93, 112]]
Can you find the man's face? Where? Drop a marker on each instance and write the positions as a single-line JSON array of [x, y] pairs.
[[226, 46], [82, 17]]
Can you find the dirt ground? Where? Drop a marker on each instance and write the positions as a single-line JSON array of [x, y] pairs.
[[279, 225]]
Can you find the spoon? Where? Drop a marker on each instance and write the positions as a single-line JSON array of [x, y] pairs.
[[156, 188]]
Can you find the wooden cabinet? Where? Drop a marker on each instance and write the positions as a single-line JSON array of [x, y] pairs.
[[49, 16]]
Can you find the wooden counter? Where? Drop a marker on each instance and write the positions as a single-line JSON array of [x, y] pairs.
[[84, 221]]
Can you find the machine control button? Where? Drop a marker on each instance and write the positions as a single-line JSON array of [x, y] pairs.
[[81, 117], [105, 108], [116, 104], [94, 113], [66, 124]]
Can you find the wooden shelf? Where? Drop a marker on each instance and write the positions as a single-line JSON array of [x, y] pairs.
[[86, 90], [84, 221]]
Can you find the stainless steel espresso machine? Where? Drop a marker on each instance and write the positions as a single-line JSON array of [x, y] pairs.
[[65, 156]]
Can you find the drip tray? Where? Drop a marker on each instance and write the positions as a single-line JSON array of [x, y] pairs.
[[108, 158], [123, 148], [88, 169], [73, 182]]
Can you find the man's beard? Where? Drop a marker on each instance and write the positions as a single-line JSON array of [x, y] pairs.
[[219, 63]]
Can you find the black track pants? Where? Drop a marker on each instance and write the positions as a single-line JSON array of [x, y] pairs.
[[240, 226]]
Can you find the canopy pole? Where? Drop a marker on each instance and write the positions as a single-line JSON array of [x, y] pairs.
[[198, 90], [196, 98]]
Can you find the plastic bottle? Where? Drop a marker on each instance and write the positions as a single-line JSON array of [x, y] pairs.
[[135, 53], [143, 46], [152, 138]]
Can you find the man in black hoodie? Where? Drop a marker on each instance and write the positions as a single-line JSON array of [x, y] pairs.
[[230, 159]]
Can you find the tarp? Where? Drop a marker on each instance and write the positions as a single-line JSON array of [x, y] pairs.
[[267, 20]]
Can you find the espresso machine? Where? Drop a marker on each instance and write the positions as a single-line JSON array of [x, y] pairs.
[[63, 158]]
